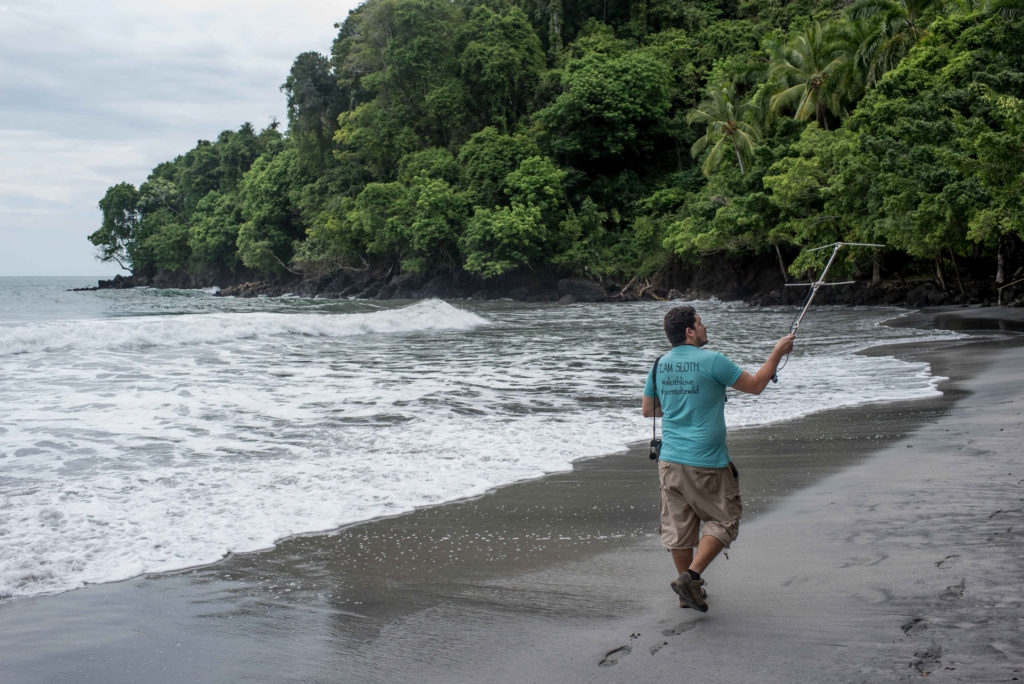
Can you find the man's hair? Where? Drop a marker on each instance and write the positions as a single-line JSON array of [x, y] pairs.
[[677, 320]]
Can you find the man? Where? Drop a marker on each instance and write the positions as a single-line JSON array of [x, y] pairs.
[[700, 496]]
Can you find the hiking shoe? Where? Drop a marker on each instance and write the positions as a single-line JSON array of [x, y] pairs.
[[691, 592], [684, 604]]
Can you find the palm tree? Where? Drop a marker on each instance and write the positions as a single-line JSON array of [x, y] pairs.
[[725, 129], [900, 24], [813, 69], [1007, 9]]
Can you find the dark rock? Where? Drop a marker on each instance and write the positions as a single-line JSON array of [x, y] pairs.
[[118, 282], [437, 286], [582, 290], [387, 292], [755, 278], [567, 299]]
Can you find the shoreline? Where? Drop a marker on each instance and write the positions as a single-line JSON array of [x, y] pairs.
[[718, 279], [542, 576]]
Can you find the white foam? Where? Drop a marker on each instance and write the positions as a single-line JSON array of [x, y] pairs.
[[192, 329], [161, 442]]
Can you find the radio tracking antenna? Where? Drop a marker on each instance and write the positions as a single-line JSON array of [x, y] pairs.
[[814, 285]]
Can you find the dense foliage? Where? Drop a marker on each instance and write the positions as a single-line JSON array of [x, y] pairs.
[[610, 139]]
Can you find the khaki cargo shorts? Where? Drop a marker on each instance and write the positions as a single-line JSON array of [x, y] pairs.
[[691, 496]]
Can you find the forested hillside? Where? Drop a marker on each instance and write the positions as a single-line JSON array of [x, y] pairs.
[[614, 141]]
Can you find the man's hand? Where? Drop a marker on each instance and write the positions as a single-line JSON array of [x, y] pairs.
[[784, 346]]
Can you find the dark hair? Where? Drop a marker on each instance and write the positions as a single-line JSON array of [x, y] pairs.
[[677, 320]]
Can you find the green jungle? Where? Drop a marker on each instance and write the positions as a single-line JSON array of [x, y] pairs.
[[621, 143]]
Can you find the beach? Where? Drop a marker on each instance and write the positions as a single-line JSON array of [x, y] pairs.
[[880, 543]]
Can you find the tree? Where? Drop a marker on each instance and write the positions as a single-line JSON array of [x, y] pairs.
[[993, 158], [213, 233], [611, 108], [314, 103], [438, 217], [725, 129], [810, 67], [487, 158], [820, 189], [271, 221], [929, 125], [377, 216], [237, 151], [538, 182], [898, 26], [118, 237], [504, 238], [166, 241], [500, 65]]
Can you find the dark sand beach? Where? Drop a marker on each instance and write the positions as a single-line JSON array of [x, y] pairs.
[[880, 543]]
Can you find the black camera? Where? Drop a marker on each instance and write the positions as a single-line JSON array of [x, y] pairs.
[[655, 449]]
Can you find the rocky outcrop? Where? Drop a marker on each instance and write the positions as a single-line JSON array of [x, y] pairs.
[[757, 280]]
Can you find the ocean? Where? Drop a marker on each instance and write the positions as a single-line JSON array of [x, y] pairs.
[[153, 430]]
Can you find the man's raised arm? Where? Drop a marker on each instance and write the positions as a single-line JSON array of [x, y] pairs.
[[755, 384]]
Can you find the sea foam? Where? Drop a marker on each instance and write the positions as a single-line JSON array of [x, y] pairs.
[[157, 442], [192, 329]]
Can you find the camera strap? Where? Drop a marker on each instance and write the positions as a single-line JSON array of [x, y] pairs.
[[657, 400]]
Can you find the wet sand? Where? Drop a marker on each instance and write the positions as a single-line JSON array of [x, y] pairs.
[[879, 543]]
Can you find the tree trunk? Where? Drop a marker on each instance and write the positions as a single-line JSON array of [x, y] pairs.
[[782, 264], [555, 27], [938, 271], [876, 268], [956, 270], [1000, 264]]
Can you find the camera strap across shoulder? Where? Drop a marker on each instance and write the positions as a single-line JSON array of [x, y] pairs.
[[657, 400]]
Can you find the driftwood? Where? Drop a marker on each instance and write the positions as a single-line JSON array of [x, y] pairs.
[[646, 291], [622, 292], [285, 267]]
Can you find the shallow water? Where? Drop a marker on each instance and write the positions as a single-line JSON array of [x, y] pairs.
[[150, 430]]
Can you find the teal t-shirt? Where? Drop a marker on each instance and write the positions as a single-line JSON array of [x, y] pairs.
[[691, 389]]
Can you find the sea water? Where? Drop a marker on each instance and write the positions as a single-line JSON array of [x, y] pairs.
[[151, 430]]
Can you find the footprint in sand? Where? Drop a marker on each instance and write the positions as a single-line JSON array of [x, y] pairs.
[[956, 591], [612, 657], [927, 660], [681, 628], [862, 561], [915, 625]]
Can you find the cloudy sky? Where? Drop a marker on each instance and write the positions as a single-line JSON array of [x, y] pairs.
[[95, 93]]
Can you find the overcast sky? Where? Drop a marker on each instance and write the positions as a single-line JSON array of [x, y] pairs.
[[95, 93]]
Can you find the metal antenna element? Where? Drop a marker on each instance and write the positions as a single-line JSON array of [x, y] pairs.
[[836, 246]]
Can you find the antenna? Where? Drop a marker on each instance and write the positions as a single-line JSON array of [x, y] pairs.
[[836, 246]]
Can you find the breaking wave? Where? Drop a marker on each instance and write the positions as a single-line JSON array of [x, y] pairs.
[[214, 328]]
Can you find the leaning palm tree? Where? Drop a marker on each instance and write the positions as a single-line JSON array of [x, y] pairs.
[[900, 24], [1007, 9], [725, 129], [812, 68]]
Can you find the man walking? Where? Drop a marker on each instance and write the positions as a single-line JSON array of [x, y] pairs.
[[700, 496]]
